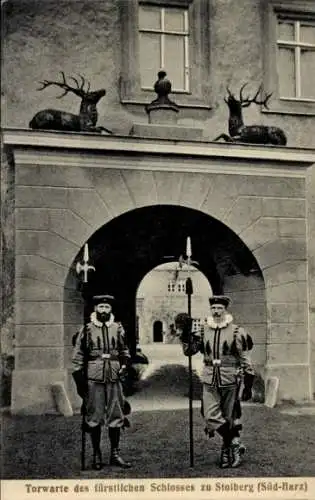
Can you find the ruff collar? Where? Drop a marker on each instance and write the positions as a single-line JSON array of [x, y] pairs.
[[224, 323], [98, 323]]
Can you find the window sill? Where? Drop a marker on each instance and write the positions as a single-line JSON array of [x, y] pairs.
[[291, 107], [193, 104]]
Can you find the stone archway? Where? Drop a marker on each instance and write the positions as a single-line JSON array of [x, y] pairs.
[[264, 213]]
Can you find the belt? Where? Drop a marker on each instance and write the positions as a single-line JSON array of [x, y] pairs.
[[105, 355], [222, 363]]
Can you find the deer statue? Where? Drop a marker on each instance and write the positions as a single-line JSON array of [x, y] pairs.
[[85, 121], [255, 134]]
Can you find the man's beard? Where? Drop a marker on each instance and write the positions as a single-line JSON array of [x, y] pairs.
[[103, 317]]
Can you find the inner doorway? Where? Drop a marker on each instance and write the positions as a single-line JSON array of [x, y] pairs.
[[158, 331]]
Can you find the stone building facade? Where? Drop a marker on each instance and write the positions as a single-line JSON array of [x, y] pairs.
[[134, 196], [161, 296]]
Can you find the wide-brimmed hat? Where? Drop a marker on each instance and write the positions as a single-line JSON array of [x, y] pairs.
[[220, 299], [103, 299]]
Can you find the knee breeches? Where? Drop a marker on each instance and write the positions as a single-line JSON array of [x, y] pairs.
[[218, 405], [105, 403]]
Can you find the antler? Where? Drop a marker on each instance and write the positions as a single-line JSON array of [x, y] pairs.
[[245, 102], [78, 90], [230, 95]]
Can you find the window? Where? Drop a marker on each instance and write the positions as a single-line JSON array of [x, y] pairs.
[[181, 286], [176, 286], [172, 35], [196, 325], [290, 56], [163, 39], [296, 58], [171, 286]]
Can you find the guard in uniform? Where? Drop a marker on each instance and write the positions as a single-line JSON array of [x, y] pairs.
[[99, 362], [224, 346]]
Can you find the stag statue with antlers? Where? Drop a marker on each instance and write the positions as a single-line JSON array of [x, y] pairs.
[[254, 134], [85, 121]]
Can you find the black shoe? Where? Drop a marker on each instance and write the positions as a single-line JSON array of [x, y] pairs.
[[97, 463], [116, 459], [225, 457], [242, 448], [236, 454]]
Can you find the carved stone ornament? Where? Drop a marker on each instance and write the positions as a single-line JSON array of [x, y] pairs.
[[163, 88]]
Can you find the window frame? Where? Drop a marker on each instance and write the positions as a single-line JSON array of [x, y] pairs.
[[199, 94], [297, 10], [161, 33]]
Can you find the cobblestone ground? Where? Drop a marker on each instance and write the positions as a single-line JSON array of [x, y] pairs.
[[278, 444]]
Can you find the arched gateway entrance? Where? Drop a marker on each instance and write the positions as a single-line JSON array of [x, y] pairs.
[[136, 202], [125, 249]]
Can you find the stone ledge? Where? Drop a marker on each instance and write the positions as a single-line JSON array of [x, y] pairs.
[[174, 132], [21, 138]]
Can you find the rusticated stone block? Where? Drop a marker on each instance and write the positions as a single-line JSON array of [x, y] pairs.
[[283, 207], [39, 358], [287, 333], [37, 267], [47, 245], [68, 225], [141, 186], [111, 186], [193, 189], [286, 353], [285, 272], [292, 227], [287, 292], [53, 175], [30, 289], [288, 313], [89, 206], [40, 197], [259, 233], [31, 218], [280, 250], [273, 187], [39, 335], [244, 313], [244, 212], [168, 187], [39, 312]]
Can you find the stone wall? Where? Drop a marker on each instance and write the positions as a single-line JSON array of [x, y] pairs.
[[311, 268], [266, 211], [7, 275]]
